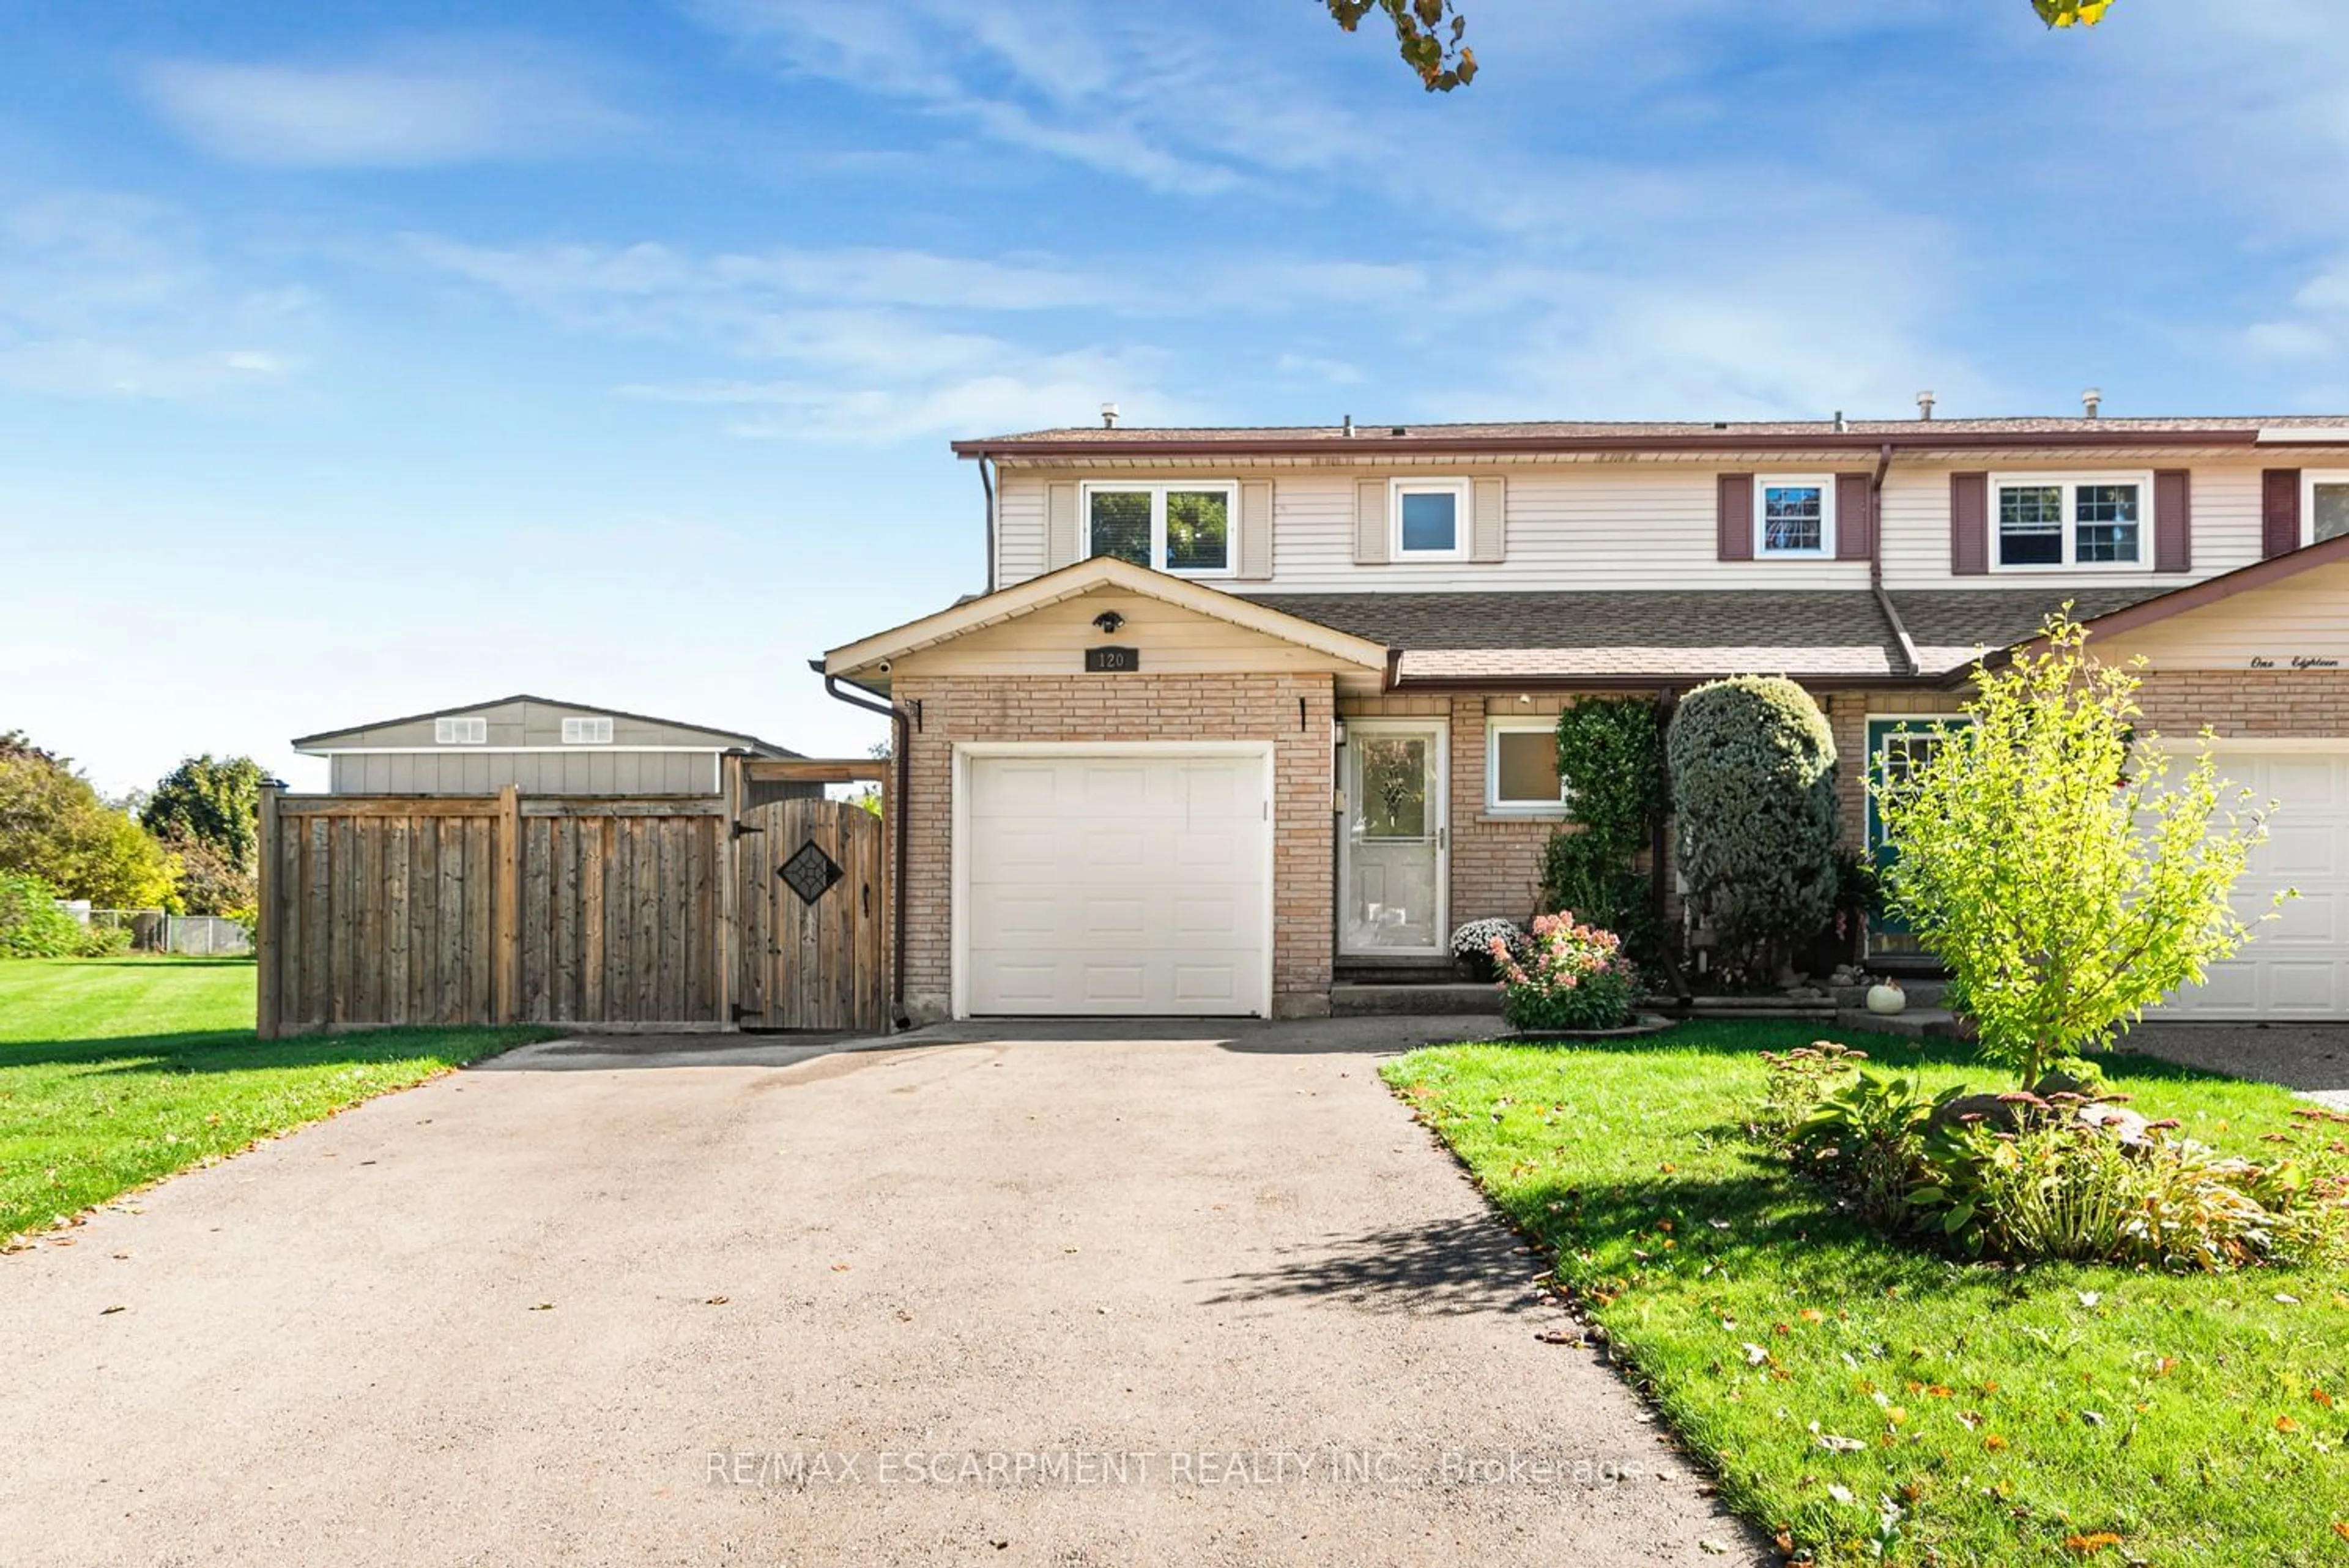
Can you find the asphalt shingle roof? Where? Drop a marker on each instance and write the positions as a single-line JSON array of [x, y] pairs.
[[1672, 634], [1601, 429]]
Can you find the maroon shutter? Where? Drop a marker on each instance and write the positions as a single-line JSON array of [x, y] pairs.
[[2173, 521], [1733, 517], [2278, 511], [1969, 524], [1855, 517]]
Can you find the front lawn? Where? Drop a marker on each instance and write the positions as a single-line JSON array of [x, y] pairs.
[[116, 1072], [1977, 1415]]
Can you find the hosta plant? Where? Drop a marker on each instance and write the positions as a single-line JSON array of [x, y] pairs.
[[1568, 976]]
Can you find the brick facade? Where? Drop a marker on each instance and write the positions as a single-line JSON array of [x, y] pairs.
[[1495, 860], [1294, 711]]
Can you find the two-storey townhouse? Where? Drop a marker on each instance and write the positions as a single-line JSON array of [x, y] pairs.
[[1243, 709]]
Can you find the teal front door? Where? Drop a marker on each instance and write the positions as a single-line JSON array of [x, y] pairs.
[[1895, 748]]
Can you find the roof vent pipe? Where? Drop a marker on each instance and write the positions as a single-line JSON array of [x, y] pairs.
[[1839, 426], [1109, 415], [1348, 428], [1924, 405], [2091, 401]]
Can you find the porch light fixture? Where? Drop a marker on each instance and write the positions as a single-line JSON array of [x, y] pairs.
[[1108, 621]]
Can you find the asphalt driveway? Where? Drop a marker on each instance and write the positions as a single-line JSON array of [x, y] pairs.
[[1180, 1297]]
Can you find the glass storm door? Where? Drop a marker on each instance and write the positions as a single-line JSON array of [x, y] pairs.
[[1897, 748], [1397, 842]]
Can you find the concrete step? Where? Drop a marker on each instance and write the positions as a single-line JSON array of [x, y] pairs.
[[1354, 1000], [1918, 1022]]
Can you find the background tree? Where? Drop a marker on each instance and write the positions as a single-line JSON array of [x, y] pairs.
[[53, 825], [1431, 34], [214, 800], [2044, 855], [1754, 792]]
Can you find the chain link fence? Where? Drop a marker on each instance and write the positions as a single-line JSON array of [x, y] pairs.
[[153, 931]]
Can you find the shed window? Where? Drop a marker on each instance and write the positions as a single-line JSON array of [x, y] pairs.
[[587, 732], [460, 731]]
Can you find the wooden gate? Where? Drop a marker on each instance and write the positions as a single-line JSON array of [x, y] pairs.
[[812, 907]]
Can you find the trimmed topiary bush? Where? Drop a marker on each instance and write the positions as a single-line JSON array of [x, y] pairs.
[[1753, 793]]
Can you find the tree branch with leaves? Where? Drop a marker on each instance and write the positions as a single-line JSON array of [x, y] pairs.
[[1431, 35]]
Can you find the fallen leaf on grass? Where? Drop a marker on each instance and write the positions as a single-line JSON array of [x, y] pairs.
[[1835, 1444], [1995, 1444], [2089, 1545], [1841, 1493]]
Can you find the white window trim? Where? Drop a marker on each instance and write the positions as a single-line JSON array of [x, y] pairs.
[[460, 731], [580, 730], [1464, 517], [1826, 485], [1156, 490], [1494, 804], [2071, 483], [2310, 478]]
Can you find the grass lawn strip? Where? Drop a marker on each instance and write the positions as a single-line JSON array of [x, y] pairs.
[[1859, 1398], [115, 1073]]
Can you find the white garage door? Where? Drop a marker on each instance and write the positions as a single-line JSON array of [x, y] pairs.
[[1131, 883], [2296, 966]]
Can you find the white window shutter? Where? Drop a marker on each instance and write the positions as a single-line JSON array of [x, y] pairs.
[[1061, 546], [1256, 531], [1370, 521], [1489, 536]]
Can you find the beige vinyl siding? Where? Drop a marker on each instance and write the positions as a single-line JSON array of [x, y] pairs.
[[1171, 640], [2305, 617], [1916, 517], [1019, 545], [1628, 524], [576, 771], [1597, 525]]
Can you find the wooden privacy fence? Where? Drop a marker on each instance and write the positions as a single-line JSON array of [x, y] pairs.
[[656, 913]]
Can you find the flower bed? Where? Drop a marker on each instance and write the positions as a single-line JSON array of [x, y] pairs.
[[1568, 977]]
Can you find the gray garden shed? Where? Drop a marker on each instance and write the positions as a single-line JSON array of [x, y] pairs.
[[541, 746]]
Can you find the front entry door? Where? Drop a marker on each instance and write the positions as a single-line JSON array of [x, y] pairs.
[[1397, 855], [1897, 748]]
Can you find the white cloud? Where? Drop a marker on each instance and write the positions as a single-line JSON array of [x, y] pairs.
[[412, 108], [111, 298], [1196, 107]]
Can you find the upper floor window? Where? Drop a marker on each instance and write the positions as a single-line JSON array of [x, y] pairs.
[[2324, 505], [1429, 519], [587, 732], [1185, 527], [2069, 520], [1793, 515], [460, 731]]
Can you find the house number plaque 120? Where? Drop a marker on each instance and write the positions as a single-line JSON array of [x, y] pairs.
[[1112, 660]]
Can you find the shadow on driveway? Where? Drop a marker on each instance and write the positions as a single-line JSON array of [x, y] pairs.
[[1447, 1265]]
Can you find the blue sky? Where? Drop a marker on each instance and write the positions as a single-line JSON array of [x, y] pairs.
[[367, 358]]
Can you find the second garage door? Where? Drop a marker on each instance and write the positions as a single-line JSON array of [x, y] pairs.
[[1115, 883], [2297, 966]]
